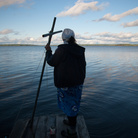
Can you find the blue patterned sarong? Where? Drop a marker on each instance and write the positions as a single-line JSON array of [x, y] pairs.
[[69, 99]]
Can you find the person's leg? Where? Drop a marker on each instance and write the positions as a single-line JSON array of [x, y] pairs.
[[71, 102], [72, 120], [71, 131], [72, 124]]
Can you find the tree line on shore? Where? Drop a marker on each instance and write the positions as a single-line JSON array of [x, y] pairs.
[[80, 44]]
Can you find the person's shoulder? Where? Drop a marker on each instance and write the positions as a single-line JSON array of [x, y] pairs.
[[61, 48], [79, 47], [62, 45]]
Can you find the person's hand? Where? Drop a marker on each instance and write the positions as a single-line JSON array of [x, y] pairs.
[[47, 47]]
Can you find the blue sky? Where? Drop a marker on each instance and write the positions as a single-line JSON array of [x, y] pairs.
[[93, 21]]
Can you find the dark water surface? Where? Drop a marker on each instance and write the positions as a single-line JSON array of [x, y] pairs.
[[110, 95]]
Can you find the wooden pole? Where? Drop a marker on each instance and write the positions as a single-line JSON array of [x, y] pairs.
[[38, 90]]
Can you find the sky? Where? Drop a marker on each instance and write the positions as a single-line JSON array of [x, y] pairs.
[[93, 21]]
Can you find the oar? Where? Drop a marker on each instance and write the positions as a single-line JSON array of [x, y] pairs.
[[38, 90]]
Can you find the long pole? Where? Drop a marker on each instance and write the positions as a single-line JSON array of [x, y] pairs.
[[38, 90]]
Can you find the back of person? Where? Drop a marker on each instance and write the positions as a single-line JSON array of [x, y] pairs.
[[69, 74], [71, 69]]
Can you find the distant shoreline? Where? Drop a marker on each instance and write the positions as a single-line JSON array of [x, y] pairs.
[[109, 44], [79, 44]]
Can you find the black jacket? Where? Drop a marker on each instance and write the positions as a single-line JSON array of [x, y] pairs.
[[69, 65]]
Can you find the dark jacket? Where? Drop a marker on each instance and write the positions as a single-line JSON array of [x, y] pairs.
[[69, 65]]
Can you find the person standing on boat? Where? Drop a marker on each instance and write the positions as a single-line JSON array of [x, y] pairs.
[[69, 74]]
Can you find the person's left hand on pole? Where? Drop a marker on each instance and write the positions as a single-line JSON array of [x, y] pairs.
[[47, 47]]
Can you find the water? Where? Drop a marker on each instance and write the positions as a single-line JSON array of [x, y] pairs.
[[110, 95]]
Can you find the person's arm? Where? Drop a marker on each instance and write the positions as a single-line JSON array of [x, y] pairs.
[[53, 59]]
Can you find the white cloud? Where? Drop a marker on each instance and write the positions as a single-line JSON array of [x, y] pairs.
[[6, 31], [4, 39], [108, 38], [26, 40], [130, 24], [81, 7], [98, 38], [10, 2], [114, 18]]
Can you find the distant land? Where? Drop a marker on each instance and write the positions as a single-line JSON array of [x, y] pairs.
[[109, 44], [79, 44]]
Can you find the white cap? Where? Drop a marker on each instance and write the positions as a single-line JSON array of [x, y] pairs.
[[67, 33]]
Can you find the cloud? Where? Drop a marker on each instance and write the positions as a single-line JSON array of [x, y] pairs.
[[114, 18], [80, 8], [98, 38], [108, 38], [8, 31], [10, 2], [4, 39], [130, 24]]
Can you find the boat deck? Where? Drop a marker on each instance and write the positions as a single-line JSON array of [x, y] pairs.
[[41, 127]]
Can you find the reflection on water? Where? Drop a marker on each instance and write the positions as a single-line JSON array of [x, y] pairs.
[[109, 101], [111, 91]]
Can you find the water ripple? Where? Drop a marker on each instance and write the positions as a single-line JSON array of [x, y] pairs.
[[109, 99]]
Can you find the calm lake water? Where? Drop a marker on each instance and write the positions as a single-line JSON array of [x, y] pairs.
[[110, 95]]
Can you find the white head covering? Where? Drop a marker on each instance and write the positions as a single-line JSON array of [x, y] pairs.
[[67, 33]]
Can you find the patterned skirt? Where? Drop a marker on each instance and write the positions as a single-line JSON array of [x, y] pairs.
[[69, 99]]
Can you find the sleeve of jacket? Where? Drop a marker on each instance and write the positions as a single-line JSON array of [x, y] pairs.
[[54, 59]]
